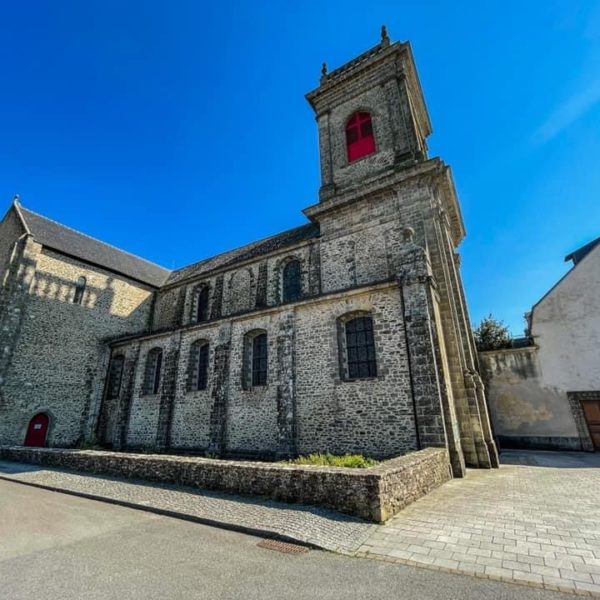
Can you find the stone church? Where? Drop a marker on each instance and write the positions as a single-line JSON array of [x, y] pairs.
[[347, 334]]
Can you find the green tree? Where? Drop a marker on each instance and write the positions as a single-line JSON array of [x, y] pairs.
[[492, 334]]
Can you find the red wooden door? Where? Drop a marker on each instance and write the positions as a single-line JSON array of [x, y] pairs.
[[37, 431], [591, 410]]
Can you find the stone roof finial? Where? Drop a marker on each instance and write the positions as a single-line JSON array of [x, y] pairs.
[[16, 199], [324, 70], [385, 38]]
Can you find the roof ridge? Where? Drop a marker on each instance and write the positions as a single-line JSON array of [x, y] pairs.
[[17, 206], [23, 208], [580, 253]]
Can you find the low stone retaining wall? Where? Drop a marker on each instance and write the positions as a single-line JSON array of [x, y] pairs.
[[375, 494]]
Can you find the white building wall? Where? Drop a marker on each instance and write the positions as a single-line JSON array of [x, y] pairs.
[[528, 388], [566, 327]]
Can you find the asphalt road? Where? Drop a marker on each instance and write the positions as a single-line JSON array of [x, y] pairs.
[[60, 547]]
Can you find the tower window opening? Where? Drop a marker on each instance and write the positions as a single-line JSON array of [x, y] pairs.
[[360, 141]]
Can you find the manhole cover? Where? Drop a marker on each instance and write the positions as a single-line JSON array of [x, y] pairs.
[[280, 546]]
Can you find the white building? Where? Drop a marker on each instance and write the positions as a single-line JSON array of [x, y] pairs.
[[547, 395]]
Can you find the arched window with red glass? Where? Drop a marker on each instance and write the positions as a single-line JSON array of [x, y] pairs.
[[359, 136]]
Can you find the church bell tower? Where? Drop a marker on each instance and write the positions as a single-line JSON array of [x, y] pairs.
[[371, 116], [389, 213]]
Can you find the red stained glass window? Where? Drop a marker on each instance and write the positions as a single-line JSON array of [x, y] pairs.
[[359, 136]]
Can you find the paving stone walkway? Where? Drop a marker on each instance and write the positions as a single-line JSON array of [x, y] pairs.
[[535, 520], [321, 527]]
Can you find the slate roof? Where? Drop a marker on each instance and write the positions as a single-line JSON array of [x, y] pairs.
[[253, 250], [68, 241], [581, 253], [63, 239]]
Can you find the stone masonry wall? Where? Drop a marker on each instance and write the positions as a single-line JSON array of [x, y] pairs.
[[168, 308], [306, 405], [190, 426], [144, 408], [376, 494], [372, 416], [236, 290], [58, 359]]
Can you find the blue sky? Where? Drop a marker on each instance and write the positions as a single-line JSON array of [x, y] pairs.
[[179, 129]]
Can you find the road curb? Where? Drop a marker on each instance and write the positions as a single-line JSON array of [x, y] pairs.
[[258, 532]]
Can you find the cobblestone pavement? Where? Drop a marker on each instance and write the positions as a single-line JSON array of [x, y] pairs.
[[536, 520], [324, 528]]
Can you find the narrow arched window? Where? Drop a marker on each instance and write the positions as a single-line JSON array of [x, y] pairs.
[[198, 366], [255, 359], [360, 348], [115, 374], [259, 360], [292, 281], [153, 371], [79, 290], [359, 136], [201, 304]]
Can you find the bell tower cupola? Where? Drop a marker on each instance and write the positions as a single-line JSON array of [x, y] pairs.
[[371, 116]]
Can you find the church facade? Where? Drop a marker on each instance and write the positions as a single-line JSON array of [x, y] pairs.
[[347, 334]]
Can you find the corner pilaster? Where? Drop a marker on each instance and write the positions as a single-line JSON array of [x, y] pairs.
[[486, 426], [483, 455], [128, 384], [167, 396], [13, 302], [286, 388], [220, 393], [415, 280]]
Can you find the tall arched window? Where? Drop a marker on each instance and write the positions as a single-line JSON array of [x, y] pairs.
[[259, 360], [115, 374], [359, 136], [198, 366], [357, 346], [153, 371], [79, 290], [201, 303], [255, 359], [360, 347], [292, 281]]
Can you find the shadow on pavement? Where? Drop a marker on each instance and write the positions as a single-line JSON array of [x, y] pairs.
[[13, 468], [556, 460]]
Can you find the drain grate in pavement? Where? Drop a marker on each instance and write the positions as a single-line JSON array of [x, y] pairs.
[[280, 546]]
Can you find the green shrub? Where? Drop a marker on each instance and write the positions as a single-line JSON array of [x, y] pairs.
[[352, 461]]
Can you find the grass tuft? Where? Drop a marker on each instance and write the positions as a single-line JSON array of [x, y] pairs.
[[351, 461]]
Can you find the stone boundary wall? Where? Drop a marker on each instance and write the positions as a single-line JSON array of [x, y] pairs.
[[375, 494]]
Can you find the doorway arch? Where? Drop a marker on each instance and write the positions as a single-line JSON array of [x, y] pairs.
[[37, 430]]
